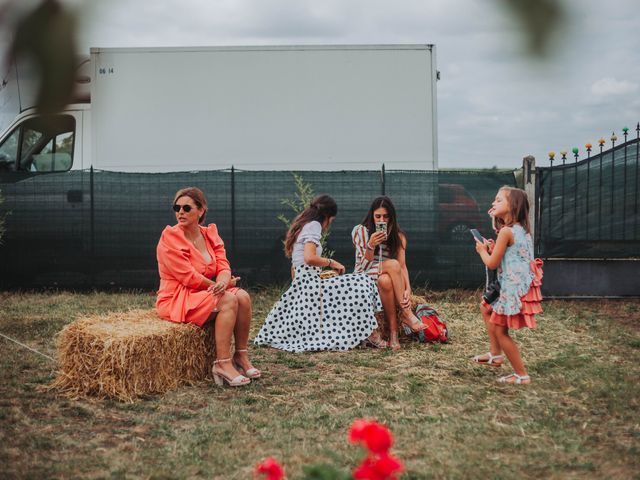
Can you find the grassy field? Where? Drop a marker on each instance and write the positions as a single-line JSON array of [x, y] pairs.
[[579, 419]]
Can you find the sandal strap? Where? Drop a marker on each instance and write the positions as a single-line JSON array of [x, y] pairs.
[[222, 360], [494, 357], [519, 378], [244, 350], [238, 379], [490, 358]]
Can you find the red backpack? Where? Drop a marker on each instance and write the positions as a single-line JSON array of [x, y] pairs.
[[436, 330]]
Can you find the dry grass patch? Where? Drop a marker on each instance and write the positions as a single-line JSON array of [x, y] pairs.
[[578, 419]]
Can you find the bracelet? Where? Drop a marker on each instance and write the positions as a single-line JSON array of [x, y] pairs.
[[369, 247], [329, 264]]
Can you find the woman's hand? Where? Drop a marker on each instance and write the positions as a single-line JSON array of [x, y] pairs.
[[337, 266], [218, 287], [376, 239]]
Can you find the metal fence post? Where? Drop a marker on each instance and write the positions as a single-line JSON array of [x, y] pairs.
[[614, 137], [233, 212], [92, 233], [529, 179]]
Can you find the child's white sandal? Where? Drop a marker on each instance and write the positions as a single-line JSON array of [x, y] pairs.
[[490, 359], [519, 379]]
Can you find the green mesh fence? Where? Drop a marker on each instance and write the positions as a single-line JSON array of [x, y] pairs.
[[86, 229], [589, 209]]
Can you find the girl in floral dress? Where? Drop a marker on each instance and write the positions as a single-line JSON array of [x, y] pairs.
[[520, 277]]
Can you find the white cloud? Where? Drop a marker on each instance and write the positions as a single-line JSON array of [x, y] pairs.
[[610, 86]]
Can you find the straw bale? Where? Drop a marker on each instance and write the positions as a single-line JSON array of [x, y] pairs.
[[124, 355]]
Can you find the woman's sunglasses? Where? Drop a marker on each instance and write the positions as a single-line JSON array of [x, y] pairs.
[[186, 208]]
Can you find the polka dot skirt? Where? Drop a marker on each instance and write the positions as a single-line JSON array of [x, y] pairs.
[[314, 314]]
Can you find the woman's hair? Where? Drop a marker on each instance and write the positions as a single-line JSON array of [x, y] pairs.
[[198, 198], [393, 241], [518, 209], [321, 208]]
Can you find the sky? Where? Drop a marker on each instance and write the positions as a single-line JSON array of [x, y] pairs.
[[496, 103]]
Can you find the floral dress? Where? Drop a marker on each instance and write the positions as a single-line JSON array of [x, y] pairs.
[[520, 277]]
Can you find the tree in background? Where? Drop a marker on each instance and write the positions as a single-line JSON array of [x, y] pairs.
[[302, 199]]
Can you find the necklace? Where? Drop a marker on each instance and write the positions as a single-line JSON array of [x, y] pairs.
[[193, 240]]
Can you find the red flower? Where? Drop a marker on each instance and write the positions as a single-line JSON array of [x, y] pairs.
[[366, 470], [356, 432], [387, 465], [383, 467], [271, 468], [377, 438]]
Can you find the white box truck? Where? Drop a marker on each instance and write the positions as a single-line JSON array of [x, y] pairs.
[[152, 110], [256, 108]]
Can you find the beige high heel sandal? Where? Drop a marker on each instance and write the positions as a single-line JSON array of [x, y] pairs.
[[220, 378], [251, 372], [411, 326]]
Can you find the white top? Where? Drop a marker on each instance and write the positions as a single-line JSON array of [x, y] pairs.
[[311, 232]]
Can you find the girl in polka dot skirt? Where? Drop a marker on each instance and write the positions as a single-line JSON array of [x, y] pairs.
[[335, 313]]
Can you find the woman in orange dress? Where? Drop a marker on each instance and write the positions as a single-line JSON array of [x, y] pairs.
[[196, 286]]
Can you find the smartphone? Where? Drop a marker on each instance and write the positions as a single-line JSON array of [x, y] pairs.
[[476, 235], [381, 227]]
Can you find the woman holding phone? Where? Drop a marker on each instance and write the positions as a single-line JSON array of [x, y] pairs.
[[380, 252]]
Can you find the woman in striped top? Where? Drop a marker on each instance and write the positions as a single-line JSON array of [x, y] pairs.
[[382, 256]]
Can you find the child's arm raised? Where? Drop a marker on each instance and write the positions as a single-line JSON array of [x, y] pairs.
[[493, 259]]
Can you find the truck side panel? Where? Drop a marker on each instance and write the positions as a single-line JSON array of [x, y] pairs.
[[282, 108]]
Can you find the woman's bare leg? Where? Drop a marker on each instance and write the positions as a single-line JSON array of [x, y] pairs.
[[241, 331], [224, 324], [385, 288], [394, 271]]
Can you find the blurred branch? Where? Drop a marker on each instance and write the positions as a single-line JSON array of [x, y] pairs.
[[46, 37], [540, 19]]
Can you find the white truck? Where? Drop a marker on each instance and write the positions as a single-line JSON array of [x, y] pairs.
[[256, 108], [151, 110]]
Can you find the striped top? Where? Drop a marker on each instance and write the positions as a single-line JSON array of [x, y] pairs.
[[360, 237]]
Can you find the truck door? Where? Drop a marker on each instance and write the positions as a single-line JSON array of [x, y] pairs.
[[45, 197]]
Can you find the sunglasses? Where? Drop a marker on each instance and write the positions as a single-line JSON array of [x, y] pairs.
[[186, 208]]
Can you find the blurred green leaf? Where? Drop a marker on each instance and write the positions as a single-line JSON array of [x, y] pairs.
[[324, 472]]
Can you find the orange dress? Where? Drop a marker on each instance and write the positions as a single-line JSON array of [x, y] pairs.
[[183, 295]]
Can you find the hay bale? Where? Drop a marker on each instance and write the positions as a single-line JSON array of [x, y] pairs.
[[124, 355]]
